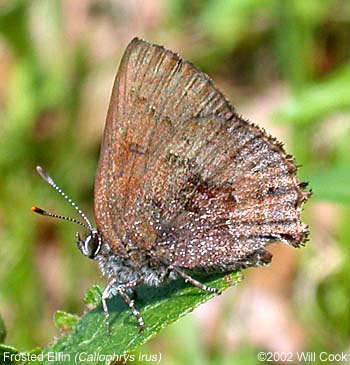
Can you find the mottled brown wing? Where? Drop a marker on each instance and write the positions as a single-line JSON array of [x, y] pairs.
[[154, 93], [236, 191], [182, 176]]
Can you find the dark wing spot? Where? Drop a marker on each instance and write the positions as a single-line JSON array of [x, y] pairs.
[[136, 148]]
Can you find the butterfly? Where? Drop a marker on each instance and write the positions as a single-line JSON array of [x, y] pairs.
[[184, 184]]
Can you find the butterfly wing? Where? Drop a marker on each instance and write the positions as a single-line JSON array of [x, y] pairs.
[[153, 94], [182, 177], [234, 192]]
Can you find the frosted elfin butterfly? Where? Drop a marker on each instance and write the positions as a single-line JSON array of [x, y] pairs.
[[184, 184]]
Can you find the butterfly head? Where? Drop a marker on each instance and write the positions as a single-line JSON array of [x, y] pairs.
[[90, 245]]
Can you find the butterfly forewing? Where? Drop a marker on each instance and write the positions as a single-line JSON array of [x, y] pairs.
[[182, 177]]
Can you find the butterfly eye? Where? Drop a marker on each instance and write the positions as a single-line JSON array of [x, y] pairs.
[[90, 245]]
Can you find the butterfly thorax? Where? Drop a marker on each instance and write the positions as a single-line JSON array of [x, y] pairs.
[[135, 266]]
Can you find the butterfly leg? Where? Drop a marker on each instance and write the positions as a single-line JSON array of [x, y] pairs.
[[198, 284], [108, 293], [111, 290], [130, 302]]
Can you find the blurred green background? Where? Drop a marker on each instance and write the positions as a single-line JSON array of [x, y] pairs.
[[283, 64]]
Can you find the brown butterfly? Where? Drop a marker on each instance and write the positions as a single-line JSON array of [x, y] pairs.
[[184, 184]]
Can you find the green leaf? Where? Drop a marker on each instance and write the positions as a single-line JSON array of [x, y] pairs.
[[159, 308], [33, 356], [7, 353], [318, 101], [332, 185], [235, 19], [2, 330], [93, 296], [65, 321]]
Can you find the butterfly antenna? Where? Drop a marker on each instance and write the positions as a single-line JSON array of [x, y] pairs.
[[51, 182], [44, 212]]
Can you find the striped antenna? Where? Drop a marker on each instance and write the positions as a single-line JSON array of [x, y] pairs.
[[44, 212], [52, 183]]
